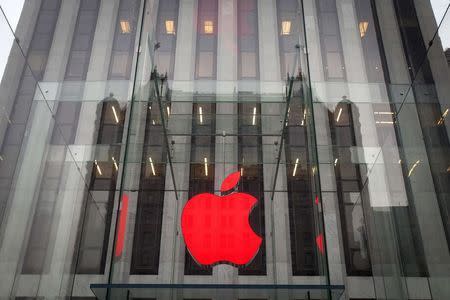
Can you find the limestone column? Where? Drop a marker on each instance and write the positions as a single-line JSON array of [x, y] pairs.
[[72, 193], [40, 127], [172, 255], [226, 152]]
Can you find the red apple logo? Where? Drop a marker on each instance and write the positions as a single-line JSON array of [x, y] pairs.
[[216, 228]]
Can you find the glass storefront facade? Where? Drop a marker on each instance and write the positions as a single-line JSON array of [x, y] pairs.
[[332, 114]]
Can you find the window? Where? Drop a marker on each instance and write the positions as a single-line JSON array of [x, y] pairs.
[[206, 39], [248, 54], [166, 35], [289, 32], [124, 40], [202, 171], [333, 61]]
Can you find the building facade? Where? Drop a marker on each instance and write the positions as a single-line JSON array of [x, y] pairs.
[[331, 114]]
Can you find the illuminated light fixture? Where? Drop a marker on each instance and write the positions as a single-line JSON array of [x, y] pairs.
[[150, 107], [115, 163], [383, 113], [125, 26], [339, 115], [153, 122], [115, 114], [336, 161], [99, 170], [285, 27], [363, 25], [399, 161], [304, 114], [208, 27], [384, 122], [254, 116], [295, 168], [413, 167], [170, 27], [441, 119], [242, 171], [303, 122], [206, 166], [152, 166], [120, 240], [200, 112], [314, 170], [168, 111]]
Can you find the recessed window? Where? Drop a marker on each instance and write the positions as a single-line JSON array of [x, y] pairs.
[[170, 27], [285, 27], [209, 27], [125, 26], [363, 25]]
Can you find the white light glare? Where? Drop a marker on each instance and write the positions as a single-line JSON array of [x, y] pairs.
[[295, 167], [152, 166], [206, 166]]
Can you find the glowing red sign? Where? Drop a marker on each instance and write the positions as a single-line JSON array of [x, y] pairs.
[[122, 226], [216, 228]]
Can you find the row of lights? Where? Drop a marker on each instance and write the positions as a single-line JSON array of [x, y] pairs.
[[208, 27]]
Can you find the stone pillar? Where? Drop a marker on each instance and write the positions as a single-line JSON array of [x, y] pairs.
[[172, 255], [23, 202], [72, 195], [226, 152], [277, 213]]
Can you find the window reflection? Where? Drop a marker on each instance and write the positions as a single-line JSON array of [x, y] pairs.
[[300, 191], [344, 133], [149, 212], [251, 168]]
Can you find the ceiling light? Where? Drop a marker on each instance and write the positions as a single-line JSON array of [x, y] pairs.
[[254, 116], [152, 166], [99, 170], [295, 167], [200, 112], [339, 114], [115, 114], [115, 163], [413, 167], [206, 166]]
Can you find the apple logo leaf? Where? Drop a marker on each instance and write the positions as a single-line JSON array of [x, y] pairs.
[[230, 182]]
